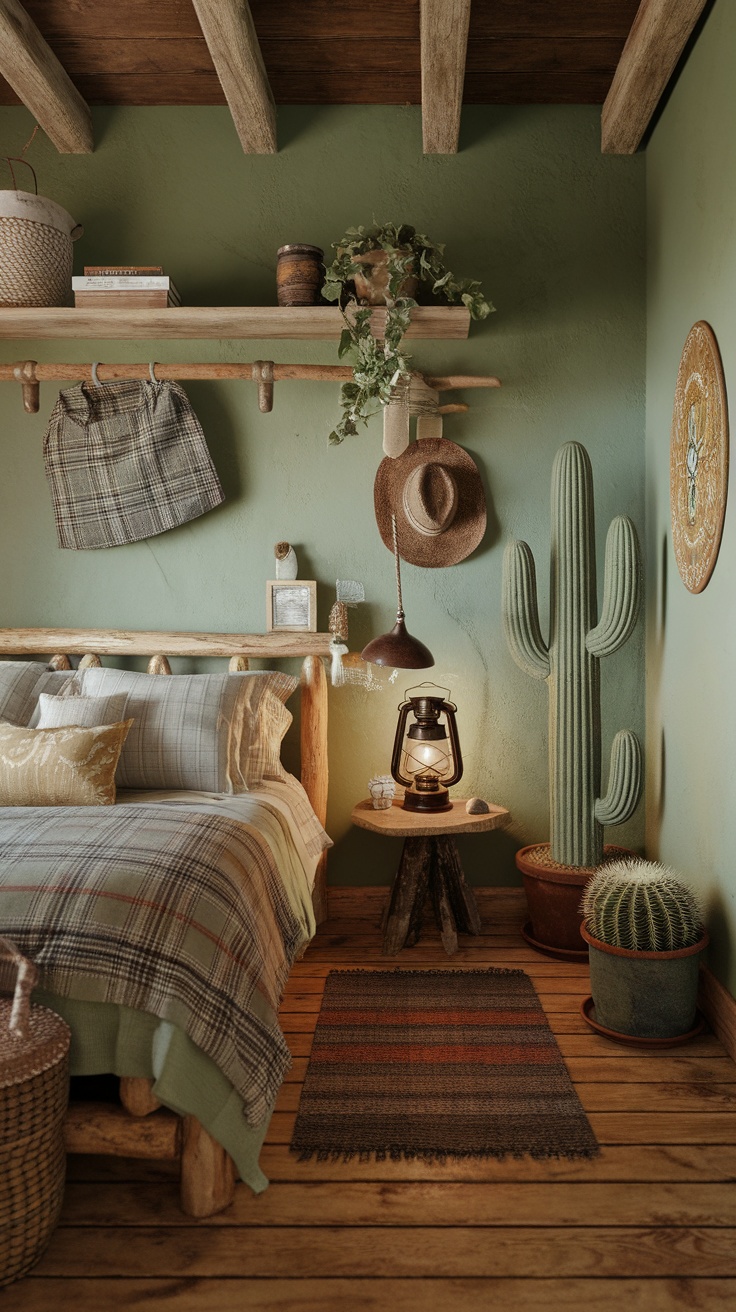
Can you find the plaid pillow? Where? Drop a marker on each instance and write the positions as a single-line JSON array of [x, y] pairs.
[[21, 682], [197, 732]]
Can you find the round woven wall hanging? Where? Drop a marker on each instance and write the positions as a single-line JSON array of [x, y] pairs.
[[698, 458]]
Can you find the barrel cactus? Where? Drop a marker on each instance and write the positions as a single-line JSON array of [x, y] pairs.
[[642, 906], [570, 660]]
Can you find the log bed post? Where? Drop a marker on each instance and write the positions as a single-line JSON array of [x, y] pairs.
[[315, 772]]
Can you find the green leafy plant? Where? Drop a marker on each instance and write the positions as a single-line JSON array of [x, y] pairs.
[[642, 906], [379, 364]]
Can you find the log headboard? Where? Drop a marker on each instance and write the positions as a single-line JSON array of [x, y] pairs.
[[238, 648]]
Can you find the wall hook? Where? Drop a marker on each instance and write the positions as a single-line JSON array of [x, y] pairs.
[[263, 376], [25, 373]]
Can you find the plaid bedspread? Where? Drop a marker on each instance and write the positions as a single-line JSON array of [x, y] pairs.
[[169, 911]]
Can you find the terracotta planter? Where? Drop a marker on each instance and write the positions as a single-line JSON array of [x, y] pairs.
[[553, 894], [648, 995], [371, 288]]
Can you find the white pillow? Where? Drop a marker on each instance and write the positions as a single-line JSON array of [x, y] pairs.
[[87, 712], [202, 732]]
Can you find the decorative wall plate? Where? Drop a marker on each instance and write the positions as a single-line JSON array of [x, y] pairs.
[[698, 458]]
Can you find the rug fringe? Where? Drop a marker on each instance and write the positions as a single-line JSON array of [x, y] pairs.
[[397, 1153], [435, 970]]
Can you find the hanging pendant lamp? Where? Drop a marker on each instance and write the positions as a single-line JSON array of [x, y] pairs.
[[398, 648]]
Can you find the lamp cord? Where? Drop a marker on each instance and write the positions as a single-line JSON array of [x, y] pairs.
[[397, 559]]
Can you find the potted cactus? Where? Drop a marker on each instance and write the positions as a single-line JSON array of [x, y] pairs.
[[644, 930], [556, 872]]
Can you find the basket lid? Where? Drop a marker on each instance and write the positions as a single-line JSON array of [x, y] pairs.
[[45, 1044], [39, 209]]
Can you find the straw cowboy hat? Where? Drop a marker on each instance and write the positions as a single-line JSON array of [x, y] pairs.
[[435, 491]]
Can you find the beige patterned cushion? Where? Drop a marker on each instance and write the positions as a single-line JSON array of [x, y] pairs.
[[206, 732], [59, 767], [89, 712]]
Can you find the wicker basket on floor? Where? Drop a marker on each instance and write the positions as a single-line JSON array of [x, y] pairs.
[[34, 1090]]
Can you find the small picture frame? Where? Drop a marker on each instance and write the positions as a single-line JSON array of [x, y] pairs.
[[291, 606]]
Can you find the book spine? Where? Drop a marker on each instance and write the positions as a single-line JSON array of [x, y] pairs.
[[128, 282], [120, 300], [121, 270]]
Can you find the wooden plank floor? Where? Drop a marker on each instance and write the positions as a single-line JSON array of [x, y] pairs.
[[650, 1225]]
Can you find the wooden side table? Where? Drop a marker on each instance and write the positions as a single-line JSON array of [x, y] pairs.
[[429, 863]]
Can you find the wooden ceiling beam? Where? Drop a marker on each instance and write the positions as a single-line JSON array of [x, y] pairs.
[[658, 36], [444, 42], [227, 27], [44, 86]]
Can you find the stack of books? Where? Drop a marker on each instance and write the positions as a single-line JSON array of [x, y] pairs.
[[124, 285]]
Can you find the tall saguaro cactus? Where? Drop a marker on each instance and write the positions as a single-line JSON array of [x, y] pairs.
[[570, 661]]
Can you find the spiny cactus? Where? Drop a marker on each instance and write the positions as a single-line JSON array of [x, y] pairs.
[[643, 906], [570, 661]]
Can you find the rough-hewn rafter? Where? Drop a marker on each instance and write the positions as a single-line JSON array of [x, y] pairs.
[[656, 41], [444, 33], [227, 27], [45, 88]]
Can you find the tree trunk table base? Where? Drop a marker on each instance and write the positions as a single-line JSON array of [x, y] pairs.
[[430, 865]]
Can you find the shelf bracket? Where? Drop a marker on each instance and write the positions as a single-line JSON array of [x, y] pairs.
[[25, 373], [263, 376]]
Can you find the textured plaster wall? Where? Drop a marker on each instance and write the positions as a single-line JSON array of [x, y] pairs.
[[691, 640], [556, 233]]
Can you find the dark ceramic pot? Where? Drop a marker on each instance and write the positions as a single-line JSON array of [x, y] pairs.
[[553, 894], [649, 995]]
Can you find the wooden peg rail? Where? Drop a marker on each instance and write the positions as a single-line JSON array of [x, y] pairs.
[[29, 373]]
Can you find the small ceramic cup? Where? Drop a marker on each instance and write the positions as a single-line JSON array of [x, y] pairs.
[[382, 789]]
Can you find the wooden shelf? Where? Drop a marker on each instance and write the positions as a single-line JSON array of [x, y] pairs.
[[303, 323]]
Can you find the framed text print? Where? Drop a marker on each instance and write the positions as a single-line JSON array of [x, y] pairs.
[[698, 458], [291, 606]]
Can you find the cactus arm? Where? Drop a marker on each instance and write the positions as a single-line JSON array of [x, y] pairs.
[[521, 612], [621, 589], [624, 781]]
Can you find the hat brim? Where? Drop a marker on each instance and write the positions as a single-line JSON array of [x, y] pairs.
[[465, 532]]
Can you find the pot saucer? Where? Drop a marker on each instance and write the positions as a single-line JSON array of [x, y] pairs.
[[559, 954], [587, 1011]]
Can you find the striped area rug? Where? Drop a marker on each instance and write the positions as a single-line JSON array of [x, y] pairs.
[[436, 1064]]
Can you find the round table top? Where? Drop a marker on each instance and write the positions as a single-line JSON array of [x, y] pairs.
[[398, 823]]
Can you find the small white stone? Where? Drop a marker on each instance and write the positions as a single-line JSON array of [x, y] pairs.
[[476, 806]]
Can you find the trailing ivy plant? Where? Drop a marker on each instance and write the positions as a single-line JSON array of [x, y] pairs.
[[378, 365]]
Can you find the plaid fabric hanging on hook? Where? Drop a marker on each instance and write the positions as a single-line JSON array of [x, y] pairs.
[[124, 461]]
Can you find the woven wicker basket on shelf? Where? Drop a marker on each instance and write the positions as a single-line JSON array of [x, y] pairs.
[[36, 238], [34, 1090]]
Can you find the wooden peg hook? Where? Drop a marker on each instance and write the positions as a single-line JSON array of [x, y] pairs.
[[263, 376], [25, 373]]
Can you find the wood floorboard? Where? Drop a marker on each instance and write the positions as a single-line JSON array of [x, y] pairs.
[[650, 1224], [315, 1204], [327, 1251], [374, 1295]]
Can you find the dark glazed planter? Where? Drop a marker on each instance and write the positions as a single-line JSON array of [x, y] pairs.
[[553, 894], [648, 995]]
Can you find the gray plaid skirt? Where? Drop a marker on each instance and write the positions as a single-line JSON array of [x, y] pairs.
[[125, 461]]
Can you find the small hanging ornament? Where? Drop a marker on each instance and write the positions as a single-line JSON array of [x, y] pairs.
[[348, 593]]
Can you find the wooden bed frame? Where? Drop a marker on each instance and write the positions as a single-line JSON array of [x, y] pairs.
[[207, 1171]]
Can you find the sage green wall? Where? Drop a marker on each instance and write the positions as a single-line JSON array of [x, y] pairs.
[[556, 233], [691, 651]]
